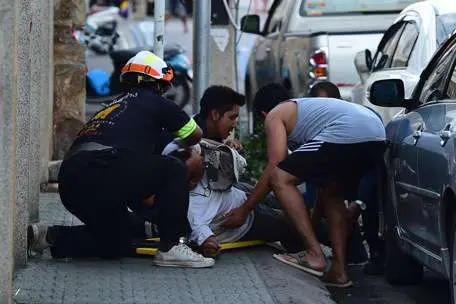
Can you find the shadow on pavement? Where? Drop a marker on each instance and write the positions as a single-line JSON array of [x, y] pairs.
[[375, 289]]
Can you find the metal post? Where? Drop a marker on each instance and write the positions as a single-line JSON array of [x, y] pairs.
[[201, 49], [159, 29], [234, 6]]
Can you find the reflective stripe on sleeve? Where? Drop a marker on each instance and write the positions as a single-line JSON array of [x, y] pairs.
[[187, 130]]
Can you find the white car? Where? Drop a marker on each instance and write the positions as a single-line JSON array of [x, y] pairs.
[[405, 49]]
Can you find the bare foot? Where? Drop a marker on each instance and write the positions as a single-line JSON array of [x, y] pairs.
[[316, 261]]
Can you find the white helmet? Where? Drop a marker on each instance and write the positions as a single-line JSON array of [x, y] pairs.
[[149, 65]]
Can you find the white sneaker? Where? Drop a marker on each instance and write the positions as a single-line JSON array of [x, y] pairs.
[[181, 255], [36, 239]]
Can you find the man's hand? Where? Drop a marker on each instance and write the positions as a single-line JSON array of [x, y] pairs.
[[210, 247], [234, 143], [236, 217]]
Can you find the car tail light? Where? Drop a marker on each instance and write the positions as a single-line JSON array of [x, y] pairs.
[[318, 58], [318, 66], [320, 72]]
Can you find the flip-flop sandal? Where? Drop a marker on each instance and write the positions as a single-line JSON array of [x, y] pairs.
[[337, 284], [298, 261]]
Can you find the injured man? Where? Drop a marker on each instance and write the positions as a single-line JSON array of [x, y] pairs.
[[215, 192]]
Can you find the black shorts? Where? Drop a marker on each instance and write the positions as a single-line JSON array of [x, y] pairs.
[[319, 163]]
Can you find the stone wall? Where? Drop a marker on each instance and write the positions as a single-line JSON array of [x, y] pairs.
[[69, 77], [8, 97], [23, 135], [24, 111]]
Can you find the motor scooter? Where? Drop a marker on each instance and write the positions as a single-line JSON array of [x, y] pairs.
[[100, 31]]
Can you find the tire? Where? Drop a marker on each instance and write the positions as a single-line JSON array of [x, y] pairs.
[[180, 92], [90, 92], [400, 268]]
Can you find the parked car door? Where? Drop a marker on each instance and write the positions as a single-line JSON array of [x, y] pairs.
[[435, 146], [403, 170], [403, 160]]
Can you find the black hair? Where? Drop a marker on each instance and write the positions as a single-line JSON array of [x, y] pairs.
[[219, 98], [325, 86], [269, 96]]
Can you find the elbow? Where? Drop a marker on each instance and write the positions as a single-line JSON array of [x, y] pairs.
[[272, 163], [195, 137]]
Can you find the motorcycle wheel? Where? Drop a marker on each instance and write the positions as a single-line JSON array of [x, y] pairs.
[[180, 92]]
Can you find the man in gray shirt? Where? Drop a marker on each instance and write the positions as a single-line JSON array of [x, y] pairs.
[[338, 143]]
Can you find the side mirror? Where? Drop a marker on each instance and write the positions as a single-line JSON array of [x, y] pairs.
[[363, 63], [387, 93], [250, 24]]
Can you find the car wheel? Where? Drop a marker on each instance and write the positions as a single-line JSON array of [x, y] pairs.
[[400, 268]]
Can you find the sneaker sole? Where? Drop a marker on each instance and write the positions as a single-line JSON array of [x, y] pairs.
[[31, 240], [182, 264]]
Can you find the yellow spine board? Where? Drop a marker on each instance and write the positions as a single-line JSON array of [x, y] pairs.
[[224, 246]]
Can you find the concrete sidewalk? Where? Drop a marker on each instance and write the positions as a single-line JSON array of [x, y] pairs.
[[243, 276]]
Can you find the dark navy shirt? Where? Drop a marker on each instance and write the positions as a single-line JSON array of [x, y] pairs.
[[137, 121]]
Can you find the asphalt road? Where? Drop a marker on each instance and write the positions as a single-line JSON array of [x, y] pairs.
[[375, 289]]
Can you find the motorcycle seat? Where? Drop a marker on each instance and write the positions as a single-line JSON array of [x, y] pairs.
[[122, 56], [107, 29]]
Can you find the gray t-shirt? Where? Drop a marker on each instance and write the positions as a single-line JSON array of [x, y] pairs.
[[335, 121]]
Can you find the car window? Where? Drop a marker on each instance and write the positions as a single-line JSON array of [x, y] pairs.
[[276, 16], [405, 45], [316, 8], [445, 25], [431, 88], [450, 114], [385, 52]]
